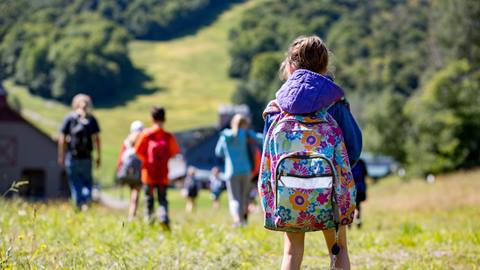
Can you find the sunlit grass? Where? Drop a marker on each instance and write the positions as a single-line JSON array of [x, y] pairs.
[[421, 234]]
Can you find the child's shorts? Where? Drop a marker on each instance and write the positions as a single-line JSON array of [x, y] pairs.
[[192, 191], [216, 194]]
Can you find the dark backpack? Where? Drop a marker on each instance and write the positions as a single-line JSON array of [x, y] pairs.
[[130, 168], [80, 138]]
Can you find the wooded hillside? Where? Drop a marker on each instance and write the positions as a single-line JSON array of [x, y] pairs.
[[60, 47], [410, 68]]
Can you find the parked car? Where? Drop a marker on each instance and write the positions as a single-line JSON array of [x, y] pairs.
[[379, 166]]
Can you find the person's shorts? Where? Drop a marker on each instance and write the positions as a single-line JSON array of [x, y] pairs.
[[216, 193], [132, 183], [361, 196], [217, 190], [192, 191]]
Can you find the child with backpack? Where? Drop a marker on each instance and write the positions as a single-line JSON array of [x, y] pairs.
[[190, 189], [311, 138], [154, 148], [217, 186], [79, 136], [129, 167], [233, 145]]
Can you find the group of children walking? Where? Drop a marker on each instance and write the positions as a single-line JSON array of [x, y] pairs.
[[192, 185], [310, 142], [134, 169]]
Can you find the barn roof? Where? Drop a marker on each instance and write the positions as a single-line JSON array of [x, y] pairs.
[[7, 114]]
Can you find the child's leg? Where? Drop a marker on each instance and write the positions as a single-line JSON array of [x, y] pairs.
[[190, 204], [132, 211], [293, 247], [342, 261], [194, 203], [148, 191], [87, 177], [74, 183], [215, 199], [359, 215], [162, 200], [245, 191], [233, 188], [216, 204]]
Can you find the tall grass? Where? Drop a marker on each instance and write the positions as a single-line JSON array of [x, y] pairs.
[[412, 225]]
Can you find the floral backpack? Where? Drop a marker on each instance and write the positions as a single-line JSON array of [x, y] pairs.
[[305, 180]]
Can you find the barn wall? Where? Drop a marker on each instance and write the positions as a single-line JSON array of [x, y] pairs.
[[23, 147]]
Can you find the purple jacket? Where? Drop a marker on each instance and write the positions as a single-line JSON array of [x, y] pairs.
[[306, 92]]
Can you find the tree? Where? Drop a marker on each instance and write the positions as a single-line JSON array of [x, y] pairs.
[[386, 125], [60, 47], [260, 90], [445, 118], [455, 27]]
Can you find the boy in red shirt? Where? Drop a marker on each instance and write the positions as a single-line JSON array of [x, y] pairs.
[[155, 147]]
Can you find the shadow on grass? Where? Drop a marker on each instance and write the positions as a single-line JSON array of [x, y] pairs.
[[135, 82], [192, 24], [139, 83]]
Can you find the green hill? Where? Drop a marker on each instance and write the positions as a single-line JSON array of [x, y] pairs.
[[190, 73]]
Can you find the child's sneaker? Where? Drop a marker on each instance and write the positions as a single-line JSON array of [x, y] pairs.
[[236, 225], [149, 220], [165, 226], [359, 223]]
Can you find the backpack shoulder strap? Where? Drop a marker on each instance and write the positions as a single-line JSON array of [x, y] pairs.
[[73, 119], [342, 100], [271, 108]]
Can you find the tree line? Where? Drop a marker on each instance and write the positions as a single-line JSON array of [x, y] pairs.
[[58, 48], [410, 68]]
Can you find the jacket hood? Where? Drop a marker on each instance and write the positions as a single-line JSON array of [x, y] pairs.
[[306, 92]]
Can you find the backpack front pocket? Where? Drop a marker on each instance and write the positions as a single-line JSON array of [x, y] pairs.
[[303, 202]]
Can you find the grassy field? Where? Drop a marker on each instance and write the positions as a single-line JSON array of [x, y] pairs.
[[407, 225], [190, 74]]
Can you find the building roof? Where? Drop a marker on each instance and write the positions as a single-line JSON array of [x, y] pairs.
[[7, 114]]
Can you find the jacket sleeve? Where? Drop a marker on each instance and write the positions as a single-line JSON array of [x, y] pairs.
[[219, 151], [141, 146], [350, 130]]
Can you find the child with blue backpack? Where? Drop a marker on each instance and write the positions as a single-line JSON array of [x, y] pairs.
[[311, 139]]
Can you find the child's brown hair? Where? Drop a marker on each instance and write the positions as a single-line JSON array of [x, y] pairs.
[[306, 52], [158, 113]]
